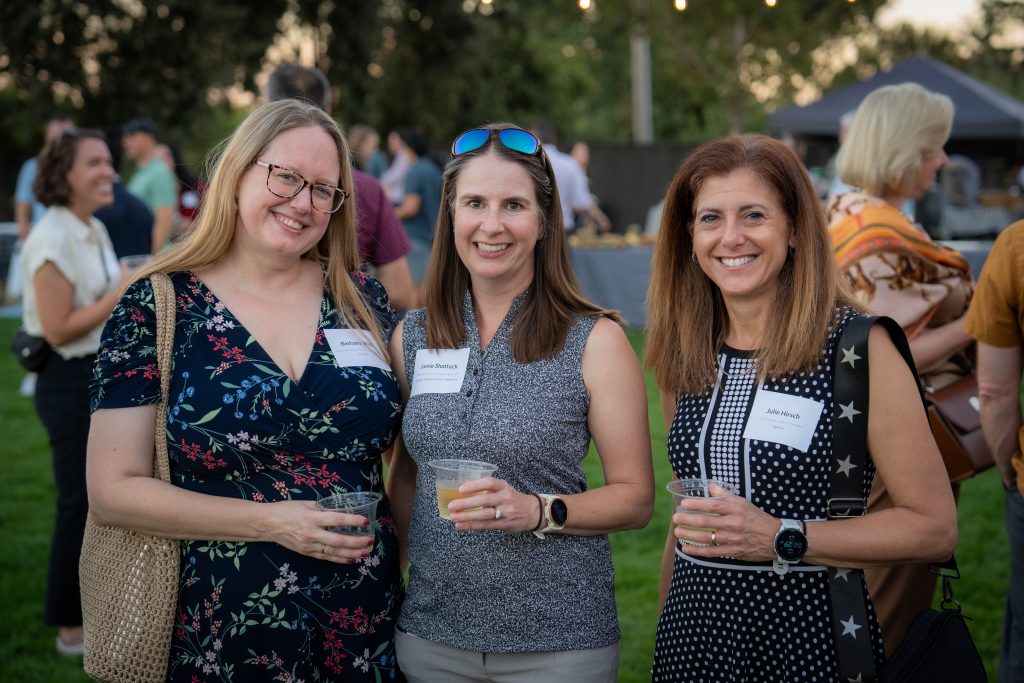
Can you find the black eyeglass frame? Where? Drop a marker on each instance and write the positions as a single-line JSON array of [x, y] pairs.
[[305, 183]]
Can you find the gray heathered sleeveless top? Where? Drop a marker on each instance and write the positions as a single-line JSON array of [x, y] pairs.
[[492, 591]]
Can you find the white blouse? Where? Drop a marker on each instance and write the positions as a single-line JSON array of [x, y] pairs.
[[84, 256]]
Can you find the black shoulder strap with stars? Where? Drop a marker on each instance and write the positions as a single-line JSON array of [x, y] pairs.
[[850, 392]]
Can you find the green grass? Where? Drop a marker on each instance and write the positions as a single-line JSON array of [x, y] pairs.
[[26, 517]]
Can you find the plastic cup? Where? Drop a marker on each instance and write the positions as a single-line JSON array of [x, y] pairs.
[[363, 503], [681, 489], [449, 475], [134, 261]]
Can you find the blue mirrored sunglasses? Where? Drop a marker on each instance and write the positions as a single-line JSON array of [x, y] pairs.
[[516, 139]]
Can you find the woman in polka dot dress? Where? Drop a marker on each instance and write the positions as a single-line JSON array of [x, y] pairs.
[[745, 310]]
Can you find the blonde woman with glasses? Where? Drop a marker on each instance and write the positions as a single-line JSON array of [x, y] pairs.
[[269, 410]]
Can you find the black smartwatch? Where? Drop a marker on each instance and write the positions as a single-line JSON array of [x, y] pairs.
[[790, 545]]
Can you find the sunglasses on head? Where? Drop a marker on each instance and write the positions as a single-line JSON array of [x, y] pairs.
[[515, 139]]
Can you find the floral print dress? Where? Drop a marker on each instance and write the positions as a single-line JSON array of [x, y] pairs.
[[238, 426]]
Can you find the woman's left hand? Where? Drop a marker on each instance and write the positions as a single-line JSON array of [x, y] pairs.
[[734, 528], [496, 506]]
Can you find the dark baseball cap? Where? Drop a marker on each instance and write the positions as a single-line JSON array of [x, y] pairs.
[[139, 125]]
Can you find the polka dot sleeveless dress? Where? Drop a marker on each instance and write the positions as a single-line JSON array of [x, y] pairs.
[[732, 621]]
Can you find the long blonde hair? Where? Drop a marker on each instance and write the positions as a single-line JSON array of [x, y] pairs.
[[553, 298], [686, 315], [337, 251]]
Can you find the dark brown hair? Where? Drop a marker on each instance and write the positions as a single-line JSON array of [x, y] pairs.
[[553, 298], [686, 315], [51, 186]]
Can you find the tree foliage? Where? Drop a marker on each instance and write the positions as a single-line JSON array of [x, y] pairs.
[[445, 65]]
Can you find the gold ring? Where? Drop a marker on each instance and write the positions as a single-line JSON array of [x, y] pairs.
[[323, 548], [713, 541]]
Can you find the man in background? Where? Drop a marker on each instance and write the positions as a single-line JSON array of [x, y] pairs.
[[996, 320], [573, 186], [152, 181], [382, 242], [421, 198]]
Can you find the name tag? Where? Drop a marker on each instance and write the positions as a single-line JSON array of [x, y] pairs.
[[785, 419], [439, 371], [355, 348]]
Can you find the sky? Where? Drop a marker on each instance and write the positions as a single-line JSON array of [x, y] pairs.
[[939, 14]]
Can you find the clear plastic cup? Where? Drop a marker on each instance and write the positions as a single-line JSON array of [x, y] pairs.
[[363, 503], [133, 262], [449, 475], [682, 489]]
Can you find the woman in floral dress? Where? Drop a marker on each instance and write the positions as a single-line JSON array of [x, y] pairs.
[[269, 410]]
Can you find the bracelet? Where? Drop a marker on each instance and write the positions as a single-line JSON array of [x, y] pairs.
[[540, 522]]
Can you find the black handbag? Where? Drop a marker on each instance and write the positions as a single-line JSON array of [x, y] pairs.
[[937, 647], [31, 351]]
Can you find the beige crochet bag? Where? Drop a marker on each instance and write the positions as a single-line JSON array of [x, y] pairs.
[[130, 580]]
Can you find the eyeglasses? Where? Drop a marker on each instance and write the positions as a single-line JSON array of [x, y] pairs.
[[286, 183], [515, 139]]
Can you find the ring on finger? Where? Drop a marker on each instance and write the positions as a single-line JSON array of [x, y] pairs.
[[713, 541], [497, 512], [323, 548]]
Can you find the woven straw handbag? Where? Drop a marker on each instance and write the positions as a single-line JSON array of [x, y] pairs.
[[130, 580]]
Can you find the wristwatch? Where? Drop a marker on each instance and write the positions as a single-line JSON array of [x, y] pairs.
[[790, 545], [555, 514]]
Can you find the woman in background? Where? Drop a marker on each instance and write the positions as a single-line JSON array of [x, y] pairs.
[[72, 281], [892, 152]]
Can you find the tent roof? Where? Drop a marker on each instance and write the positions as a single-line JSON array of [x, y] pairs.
[[982, 112]]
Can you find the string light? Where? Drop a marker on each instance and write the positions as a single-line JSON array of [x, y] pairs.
[[584, 4], [770, 3], [680, 5], [486, 2]]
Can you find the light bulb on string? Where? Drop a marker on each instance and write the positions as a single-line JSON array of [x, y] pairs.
[[680, 5], [770, 3]]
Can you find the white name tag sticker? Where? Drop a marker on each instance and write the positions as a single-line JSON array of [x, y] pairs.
[[355, 348], [439, 371], [785, 419]]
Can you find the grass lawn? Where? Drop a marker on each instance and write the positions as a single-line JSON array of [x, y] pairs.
[[26, 517]]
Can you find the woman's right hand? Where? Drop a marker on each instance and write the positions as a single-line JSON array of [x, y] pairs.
[[301, 526]]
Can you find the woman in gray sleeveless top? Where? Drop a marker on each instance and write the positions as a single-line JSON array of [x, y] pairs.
[[508, 364]]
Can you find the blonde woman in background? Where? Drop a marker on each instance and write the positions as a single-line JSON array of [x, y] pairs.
[[892, 153]]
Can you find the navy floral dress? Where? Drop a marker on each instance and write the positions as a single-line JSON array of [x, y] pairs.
[[237, 426]]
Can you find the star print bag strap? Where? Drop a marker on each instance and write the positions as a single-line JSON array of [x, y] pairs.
[[937, 646], [129, 579]]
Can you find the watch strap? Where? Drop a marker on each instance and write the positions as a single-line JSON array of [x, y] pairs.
[[549, 523]]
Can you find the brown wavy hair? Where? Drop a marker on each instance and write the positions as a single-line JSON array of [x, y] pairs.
[[553, 298], [51, 186], [686, 315]]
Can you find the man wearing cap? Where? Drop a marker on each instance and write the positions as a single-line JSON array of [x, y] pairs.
[[152, 181]]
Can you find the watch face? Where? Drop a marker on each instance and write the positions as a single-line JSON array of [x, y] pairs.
[[559, 512], [790, 545]]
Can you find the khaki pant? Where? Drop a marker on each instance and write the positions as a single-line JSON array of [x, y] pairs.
[[424, 661]]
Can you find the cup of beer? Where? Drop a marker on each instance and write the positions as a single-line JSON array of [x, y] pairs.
[[449, 475], [682, 489], [362, 503]]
